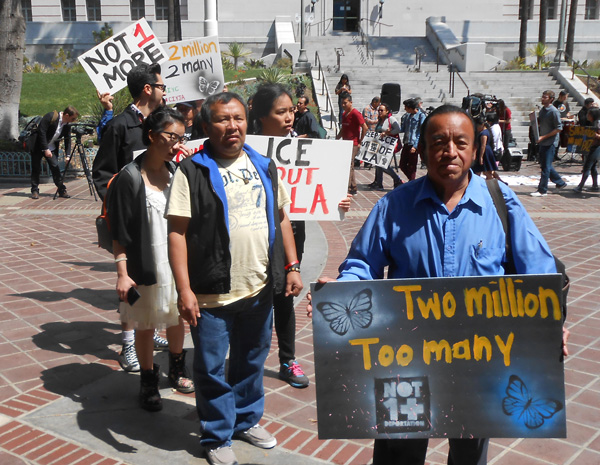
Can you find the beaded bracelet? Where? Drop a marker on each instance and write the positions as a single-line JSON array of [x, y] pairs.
[[295, 268], [291, 264]]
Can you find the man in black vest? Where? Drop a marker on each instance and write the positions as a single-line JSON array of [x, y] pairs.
[[53, 126]]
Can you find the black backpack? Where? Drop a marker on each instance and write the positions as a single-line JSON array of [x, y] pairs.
[[28, 136]]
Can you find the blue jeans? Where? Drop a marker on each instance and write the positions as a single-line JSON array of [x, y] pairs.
[[226, 407], [389, 171], [546, 156]]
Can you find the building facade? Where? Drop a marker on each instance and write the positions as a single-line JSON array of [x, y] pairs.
[[68, 23]]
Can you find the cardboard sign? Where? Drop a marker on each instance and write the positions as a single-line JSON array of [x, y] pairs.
[[440, 358], [580, 139], [377, 150], [108, 63], [194, 70], [315, 173], [533, 121]]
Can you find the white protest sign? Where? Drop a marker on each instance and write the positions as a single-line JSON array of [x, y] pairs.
[[377, 150], [194, 70], [315, 173], [108, 63]]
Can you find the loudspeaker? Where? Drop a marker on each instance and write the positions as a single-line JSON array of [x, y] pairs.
[[511, 161], [391, 94]]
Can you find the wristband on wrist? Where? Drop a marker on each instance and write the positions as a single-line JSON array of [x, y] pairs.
[[291, 264], [295, 268], [121, 259]]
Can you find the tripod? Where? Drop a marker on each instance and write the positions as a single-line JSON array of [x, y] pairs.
[[78, 147]]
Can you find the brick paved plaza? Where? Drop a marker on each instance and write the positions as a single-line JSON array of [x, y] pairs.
[[64, 399]]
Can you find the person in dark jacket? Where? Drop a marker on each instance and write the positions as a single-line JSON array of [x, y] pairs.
[[229, 242], [53, 127], [136, 211], [123, 134], [121, 137], [305, 123]]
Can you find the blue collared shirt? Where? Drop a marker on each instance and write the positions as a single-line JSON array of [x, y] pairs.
[[411, 127], [411, 231]]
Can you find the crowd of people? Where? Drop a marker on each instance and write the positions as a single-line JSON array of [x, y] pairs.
[[193, 242]]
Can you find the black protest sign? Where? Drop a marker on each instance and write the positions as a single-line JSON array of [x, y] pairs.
[[580, 139], [439, 357]]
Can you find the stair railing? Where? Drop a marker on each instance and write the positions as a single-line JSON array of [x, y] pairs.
[[453, 73], [419, 54], [325, 92], [364, 40], [575, 65]]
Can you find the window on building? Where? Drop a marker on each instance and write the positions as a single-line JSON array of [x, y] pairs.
[[162, 10], [552, 10], [93, 10], [138, 9], [591, 9], [26, 10], [69, 13]]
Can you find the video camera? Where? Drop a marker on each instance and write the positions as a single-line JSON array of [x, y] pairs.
[[82, 129], [475, 104]]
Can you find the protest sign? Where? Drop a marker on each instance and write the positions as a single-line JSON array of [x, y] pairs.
[[194, 70], [376, 149], [439, 357], [108, 63], [580, 139], [533, 122], [315, 173]]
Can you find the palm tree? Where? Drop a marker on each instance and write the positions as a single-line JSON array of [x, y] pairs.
[[571, 31], [540, 51], [524, 16], [12, 46], [236, 51]]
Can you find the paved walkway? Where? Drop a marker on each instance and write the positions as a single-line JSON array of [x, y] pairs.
[[64, 400]]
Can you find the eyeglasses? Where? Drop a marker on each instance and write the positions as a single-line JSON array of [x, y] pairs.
[[175, 137], [162, 87], [381, 110]]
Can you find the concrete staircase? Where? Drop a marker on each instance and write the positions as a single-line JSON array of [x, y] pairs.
[[394, 61]]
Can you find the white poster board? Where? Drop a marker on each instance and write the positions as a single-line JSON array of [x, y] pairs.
[[194, 70], [377, 150], [108, 63], [315, 173]]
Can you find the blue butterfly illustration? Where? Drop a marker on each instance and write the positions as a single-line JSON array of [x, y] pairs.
[[356, 315], [531, 411]]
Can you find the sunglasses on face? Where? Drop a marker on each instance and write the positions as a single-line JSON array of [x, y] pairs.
[[176, 138]]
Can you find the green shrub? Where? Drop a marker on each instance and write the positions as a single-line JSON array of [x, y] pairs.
[[272, 76]]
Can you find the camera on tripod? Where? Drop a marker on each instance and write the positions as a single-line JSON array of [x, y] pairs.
[[82, 129]]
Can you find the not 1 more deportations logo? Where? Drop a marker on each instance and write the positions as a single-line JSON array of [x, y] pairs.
[[403, 405]]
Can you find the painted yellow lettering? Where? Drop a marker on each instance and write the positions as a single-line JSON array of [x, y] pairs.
[[440, 347], [366, 352], [461, 350], [480, 343], [544, 295], [386, 356], [174, 56], [506, 347], [431, 306], [474, 298], [404, 355], [449, 305], [409, 300], [531, 304]]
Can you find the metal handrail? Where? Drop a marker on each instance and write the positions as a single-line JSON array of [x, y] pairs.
[[454, 72], [575, 65], [419, 54], [325, 91], [364, 38]]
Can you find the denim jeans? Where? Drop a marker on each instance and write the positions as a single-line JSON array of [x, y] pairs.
[[232, 405], [389, 171], [546, 156]]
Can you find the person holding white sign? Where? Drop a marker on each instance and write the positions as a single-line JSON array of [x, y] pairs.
[[387, 125]]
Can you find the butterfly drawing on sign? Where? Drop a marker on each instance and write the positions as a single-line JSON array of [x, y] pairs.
[[532, 412], [356, 315], [207, 87]]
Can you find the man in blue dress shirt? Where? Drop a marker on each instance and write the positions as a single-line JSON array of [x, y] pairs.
[[444, 224]]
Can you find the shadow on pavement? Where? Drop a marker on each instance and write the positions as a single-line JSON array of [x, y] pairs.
[[104, 299]]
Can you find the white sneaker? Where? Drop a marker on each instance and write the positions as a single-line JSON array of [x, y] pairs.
[[223, 455], [538, 194], [128, 358], [258, 436]]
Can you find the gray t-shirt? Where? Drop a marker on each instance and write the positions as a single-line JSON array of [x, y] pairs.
[[549, 120]]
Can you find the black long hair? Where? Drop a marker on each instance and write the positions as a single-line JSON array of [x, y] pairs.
[[262, 102]]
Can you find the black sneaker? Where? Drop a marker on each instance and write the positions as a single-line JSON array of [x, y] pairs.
[[64, 195], [292, 373]]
